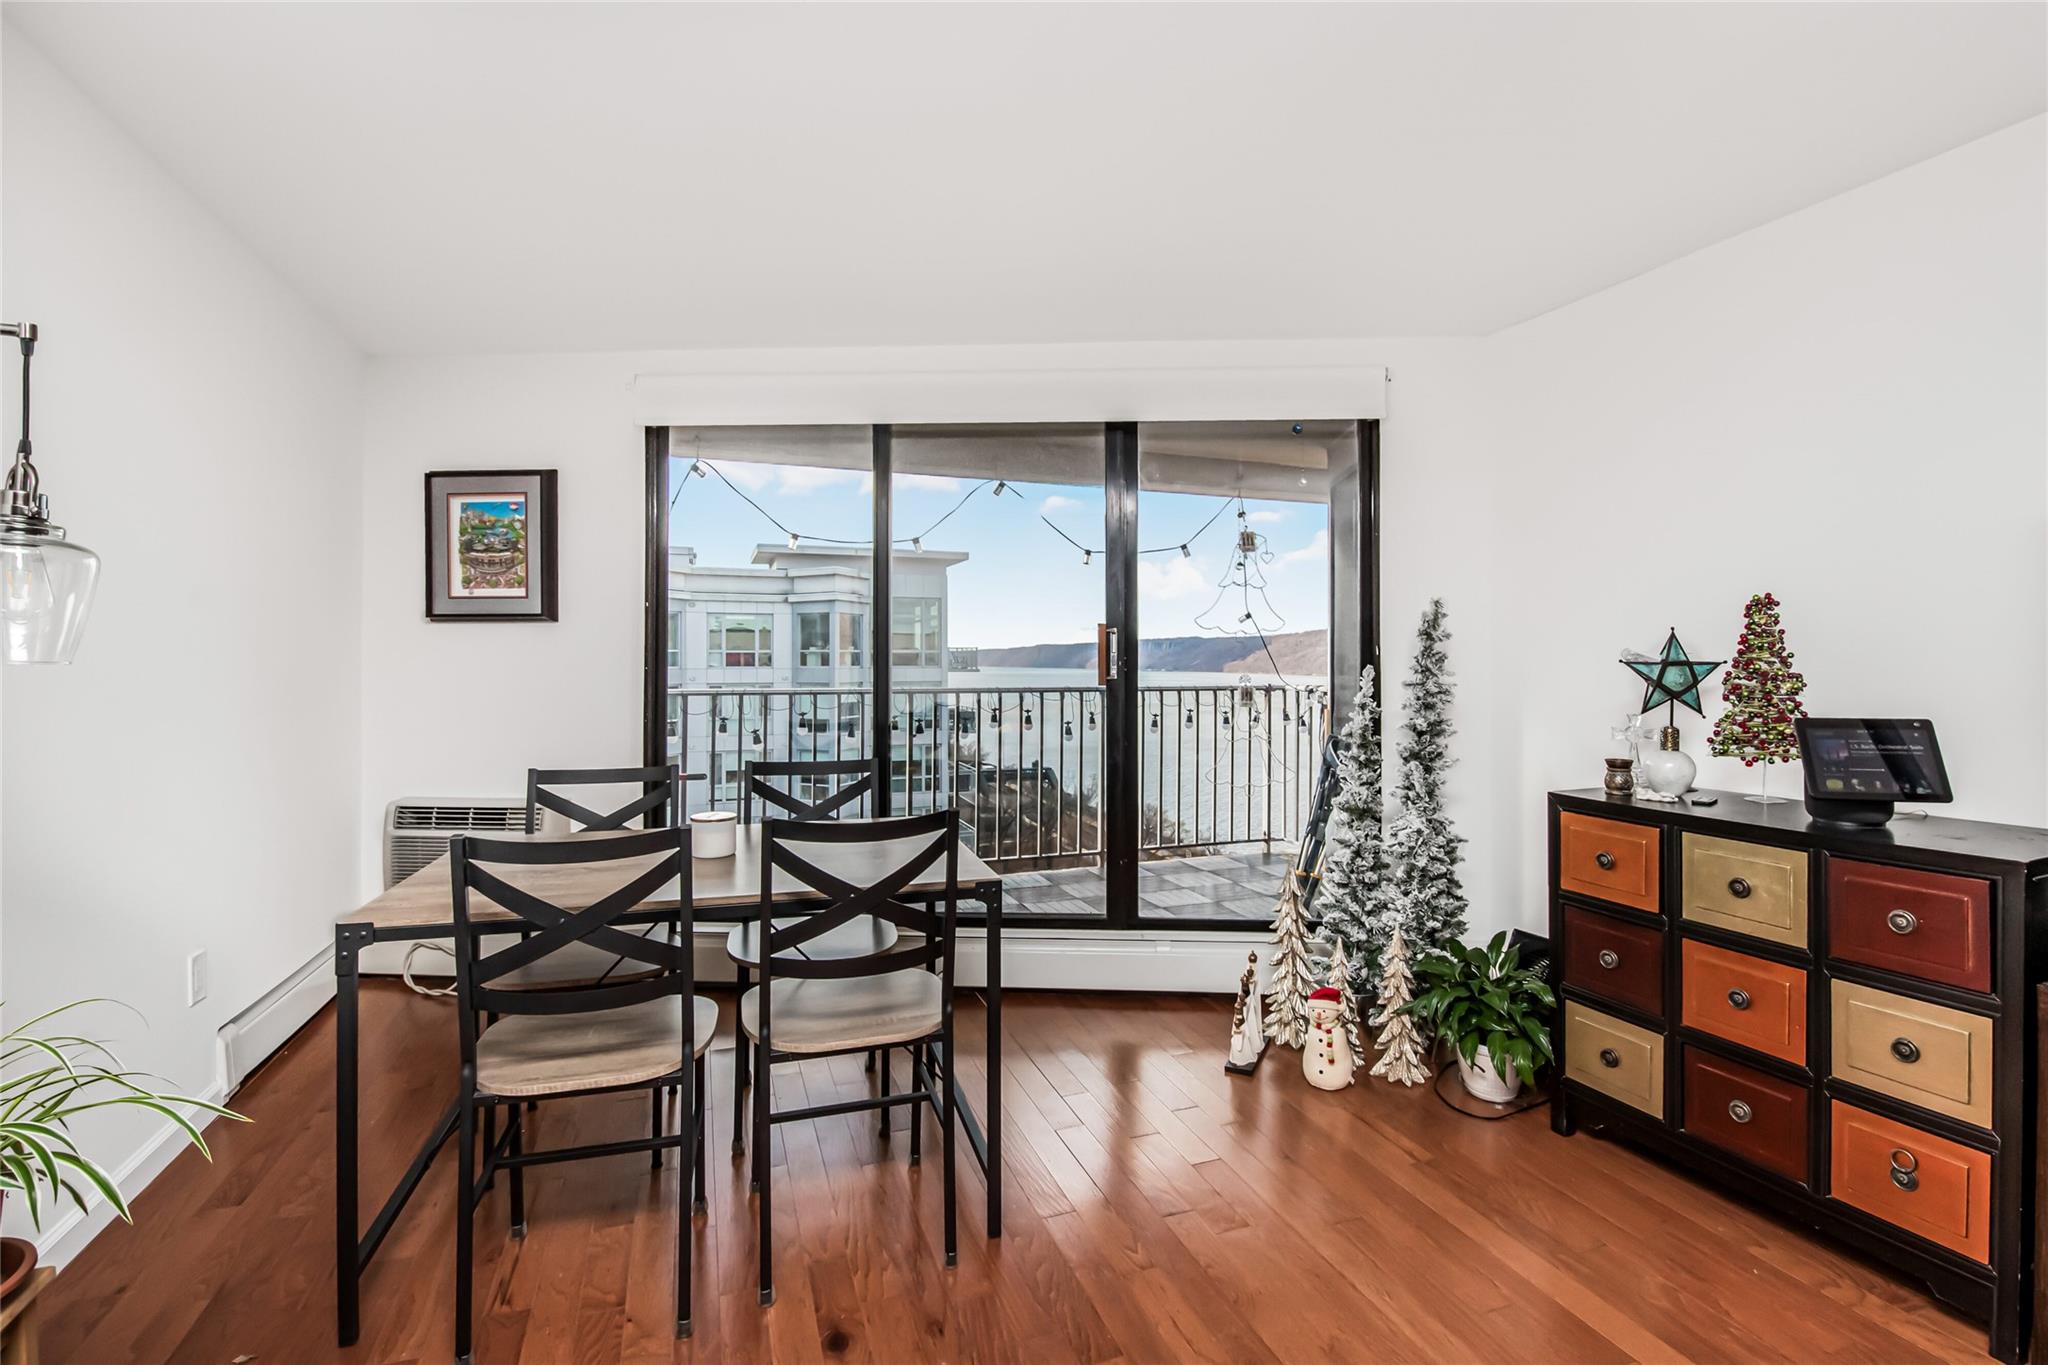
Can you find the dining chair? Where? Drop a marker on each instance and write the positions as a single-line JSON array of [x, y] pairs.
[[827, 1006], [609, 1036], [758, 781]]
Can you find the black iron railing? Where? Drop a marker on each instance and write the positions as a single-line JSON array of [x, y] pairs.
[[1219, 765]]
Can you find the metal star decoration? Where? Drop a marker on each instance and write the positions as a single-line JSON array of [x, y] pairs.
[[1672, 678]]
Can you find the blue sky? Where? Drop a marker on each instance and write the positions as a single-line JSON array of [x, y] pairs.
[[500, 509], [1022, 584]]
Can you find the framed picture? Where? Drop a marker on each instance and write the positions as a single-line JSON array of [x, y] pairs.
[[491, 545]]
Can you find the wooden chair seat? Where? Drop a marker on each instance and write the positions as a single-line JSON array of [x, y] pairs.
[[526, 1055], [843, 1015], [573, 964]]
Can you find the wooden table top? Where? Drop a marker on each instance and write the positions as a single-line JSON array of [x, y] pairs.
[[426, 898]]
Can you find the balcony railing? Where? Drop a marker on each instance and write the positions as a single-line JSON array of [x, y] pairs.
[[1219, 765]]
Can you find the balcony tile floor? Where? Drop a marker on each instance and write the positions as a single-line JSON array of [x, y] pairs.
[[1241, 884]]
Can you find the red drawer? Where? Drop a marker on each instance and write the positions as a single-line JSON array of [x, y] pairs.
[[1738, 1108], [1623, 962], [1926, 924]]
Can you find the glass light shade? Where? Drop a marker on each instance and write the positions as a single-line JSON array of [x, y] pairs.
[[46, 586]]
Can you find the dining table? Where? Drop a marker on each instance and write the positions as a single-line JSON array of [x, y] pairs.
[[723, 891]]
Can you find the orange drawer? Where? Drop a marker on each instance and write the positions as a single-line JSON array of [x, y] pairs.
[[1929, 1186], [1745, 999], [1609, 860]]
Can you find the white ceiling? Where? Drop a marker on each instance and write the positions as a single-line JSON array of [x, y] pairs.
[[498, 177]]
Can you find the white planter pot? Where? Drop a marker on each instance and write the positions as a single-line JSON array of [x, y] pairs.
[[1483, 1084]]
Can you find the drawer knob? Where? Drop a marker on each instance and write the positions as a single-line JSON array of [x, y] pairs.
[[1605, 859], [1905, 1169], [1738, 888], [1609, 1057], [1738, 1111], [1739, 998], [1905, 1049], [1902, 921], [1609, 959]]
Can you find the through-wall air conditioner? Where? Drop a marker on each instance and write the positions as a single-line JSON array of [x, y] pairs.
[[417, 831]]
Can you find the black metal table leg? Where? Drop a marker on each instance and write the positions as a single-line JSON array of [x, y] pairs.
[[349, 939], [994, 1163]]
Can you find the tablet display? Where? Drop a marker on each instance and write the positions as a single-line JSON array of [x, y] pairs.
[[1872, 760]]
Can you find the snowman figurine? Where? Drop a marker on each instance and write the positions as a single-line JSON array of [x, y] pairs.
[[1326, 1057]]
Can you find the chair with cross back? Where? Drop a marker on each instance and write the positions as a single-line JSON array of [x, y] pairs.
[[612, 1035], [843, 782], [892, 998]]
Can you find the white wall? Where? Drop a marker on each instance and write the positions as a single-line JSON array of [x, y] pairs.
[[1777, 403], [191, 781], [1844, 408]]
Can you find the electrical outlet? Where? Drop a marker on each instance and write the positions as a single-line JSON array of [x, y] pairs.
[[195, 977]]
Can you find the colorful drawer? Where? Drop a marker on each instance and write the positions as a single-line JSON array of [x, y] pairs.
[[1614, 1057], [1929, 1186], [1746, 888], [1744, 999], [1609, 860], [1739, 1109], [1929, 925], [1925, 1054], [1622, 962]]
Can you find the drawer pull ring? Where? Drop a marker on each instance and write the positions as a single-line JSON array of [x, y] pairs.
[[1605, 859], [1739, 998], [1738, 1111], [1905, 1169], [1738, 888], [1905, 1049], [1902, 921], [1609, 959], [1609, 1057]]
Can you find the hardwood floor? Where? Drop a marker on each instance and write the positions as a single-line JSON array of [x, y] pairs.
[[1158, 1210]]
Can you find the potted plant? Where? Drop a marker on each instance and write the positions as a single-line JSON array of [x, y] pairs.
[[1494, 1010], [46, 1081]]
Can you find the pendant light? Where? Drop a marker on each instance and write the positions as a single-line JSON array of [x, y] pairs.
[[46, 581]]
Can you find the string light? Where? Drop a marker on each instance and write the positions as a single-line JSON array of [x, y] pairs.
[[721, 726], [792, 540], [1027, 718], [1066, 729], [918, 728], [995, 716], [1191, 718], [1087, 558], [1155, 722], [1091, 718]]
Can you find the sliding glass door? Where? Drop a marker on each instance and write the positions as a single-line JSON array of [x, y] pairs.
[[962, 606]]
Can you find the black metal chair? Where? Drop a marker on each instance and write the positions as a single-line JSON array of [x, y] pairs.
[[610, 1036], [823, 1007], [756, 782], [658, 806]]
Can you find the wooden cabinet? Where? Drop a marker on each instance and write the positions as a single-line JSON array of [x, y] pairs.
[[1831, 1021]]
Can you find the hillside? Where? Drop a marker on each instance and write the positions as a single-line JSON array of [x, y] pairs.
[[1298, 652]]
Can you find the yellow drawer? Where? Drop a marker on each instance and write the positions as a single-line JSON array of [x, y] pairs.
[[1746, 888], [1929, 1055], [1614, 1057]]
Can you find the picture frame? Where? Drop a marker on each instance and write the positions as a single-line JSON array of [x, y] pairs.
[[491, 551]]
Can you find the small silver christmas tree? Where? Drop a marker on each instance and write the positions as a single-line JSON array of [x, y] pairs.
[[1400, 1043], [1340, 978], [1292, 972]]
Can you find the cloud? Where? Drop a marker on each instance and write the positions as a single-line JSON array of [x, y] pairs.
[[797, 480], [1315, 552], [1056, 503], [1169, 578], [935, 483], [1265, 516]]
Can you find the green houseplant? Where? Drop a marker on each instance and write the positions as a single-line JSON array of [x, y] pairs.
[[46, 1081], [1495, 1011]]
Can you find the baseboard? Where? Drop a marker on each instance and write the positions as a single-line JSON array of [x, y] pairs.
[[251, 1036], [1033, 959], [64, 1238]]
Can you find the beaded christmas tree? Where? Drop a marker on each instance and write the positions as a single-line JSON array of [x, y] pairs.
[[1761, 689]]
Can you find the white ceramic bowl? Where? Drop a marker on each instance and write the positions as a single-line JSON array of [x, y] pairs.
[[712, 834]]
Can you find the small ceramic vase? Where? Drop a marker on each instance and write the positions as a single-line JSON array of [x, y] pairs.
[[1670, 770], [1621, 777]]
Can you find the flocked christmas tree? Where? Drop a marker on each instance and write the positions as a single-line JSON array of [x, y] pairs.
[[1425, 899], [1400, 1041], [1339, 977], [1761, 689], [1292, 976], [1351, 896]]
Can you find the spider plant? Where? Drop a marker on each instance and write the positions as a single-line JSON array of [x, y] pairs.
[[49, 1079]]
